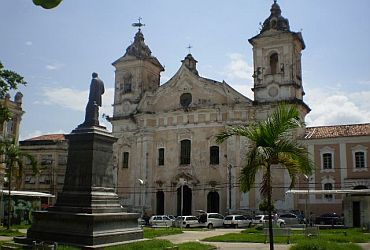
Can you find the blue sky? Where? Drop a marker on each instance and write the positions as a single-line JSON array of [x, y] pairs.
[[57, 50]]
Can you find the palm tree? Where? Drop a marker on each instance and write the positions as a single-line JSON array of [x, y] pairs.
[[272, 146], [13, 157]]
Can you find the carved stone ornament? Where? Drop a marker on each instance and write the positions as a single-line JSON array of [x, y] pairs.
[[273, 91]]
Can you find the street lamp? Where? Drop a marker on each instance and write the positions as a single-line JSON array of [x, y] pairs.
[[141, 182], [182, 182], [307, 196]]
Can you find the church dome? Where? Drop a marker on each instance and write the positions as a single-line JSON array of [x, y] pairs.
[[275, 21], [138, 48]]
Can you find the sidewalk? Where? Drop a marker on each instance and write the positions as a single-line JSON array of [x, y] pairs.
[[199, 235]]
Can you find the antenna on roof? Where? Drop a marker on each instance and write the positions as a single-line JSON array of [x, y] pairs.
[[139, 24]]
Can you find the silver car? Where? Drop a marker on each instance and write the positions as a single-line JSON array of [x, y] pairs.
[[237, 221], [160, 221], [186, 221]]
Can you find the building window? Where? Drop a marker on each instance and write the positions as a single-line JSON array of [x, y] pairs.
[[359, 155], [327, 162], [328, 186], [214, 155], [62, 159], [360, 160], [185, 152], [125, 157], [274, 59], [127, 83], [160, 156], [46, 160]]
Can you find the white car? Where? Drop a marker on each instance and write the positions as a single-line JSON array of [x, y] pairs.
[[160, 221], [263, 219], [237, 221], [187, 221], [211, 220]]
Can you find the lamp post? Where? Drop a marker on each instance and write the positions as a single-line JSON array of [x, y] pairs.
[[141, 182], [229, 166], [307, 196], [182, 182]]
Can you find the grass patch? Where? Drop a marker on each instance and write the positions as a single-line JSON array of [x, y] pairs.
[[195, 246], [157, 232], [323, 245], [10, 232], [160, 245], [331, 235]]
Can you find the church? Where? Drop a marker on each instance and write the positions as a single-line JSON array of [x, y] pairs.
[[166, 151]]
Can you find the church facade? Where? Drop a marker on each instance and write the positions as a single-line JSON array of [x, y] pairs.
[[166, 133]]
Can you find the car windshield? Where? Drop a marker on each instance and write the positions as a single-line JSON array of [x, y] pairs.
[[258, 217]]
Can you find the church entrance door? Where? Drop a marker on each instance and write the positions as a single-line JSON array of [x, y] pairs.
[[187, 201], [213, 202], [160, 202]]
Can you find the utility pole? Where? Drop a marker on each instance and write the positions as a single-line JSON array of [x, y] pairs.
[[230, 186]]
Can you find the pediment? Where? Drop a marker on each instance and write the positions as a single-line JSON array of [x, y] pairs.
[[204, 93]]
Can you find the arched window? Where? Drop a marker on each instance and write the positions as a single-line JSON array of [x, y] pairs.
[[274, 61], [185, 152], [214, 153], [328, 186]]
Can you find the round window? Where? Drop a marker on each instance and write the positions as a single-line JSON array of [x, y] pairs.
[[185, 100]]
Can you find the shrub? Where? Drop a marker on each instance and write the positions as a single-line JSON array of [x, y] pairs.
[[323, 245]]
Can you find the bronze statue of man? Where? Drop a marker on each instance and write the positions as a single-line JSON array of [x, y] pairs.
[[95, 101]]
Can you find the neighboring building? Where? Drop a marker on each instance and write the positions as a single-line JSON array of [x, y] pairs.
[[341, 155], [166, 133], [51, 153], [10, 129]]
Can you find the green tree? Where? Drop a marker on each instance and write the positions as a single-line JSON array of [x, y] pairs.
[[47, 4], [272, 145], [9, 80], [14, 158]]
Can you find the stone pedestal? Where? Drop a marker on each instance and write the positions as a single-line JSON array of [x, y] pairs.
[[87, 212]]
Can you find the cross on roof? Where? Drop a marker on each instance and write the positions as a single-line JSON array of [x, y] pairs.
[[189, 48], [139, 24]]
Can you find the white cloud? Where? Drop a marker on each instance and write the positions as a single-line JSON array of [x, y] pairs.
[[238, 68], [28, 43], [334, 107], [54, 66], [238, 74], [76, 99]]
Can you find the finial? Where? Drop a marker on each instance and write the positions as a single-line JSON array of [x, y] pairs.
[[139, 24], [189, 48], [275, 1]]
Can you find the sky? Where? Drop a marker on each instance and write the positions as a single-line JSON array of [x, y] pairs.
[[57, 50]]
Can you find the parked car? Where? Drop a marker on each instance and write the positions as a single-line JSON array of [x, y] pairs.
[[211, 220], [237, 221], [262, 219], [187, 221], [160, 221], [291, 219], [329, 219]]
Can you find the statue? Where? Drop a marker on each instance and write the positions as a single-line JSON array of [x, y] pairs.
[[95, 101]]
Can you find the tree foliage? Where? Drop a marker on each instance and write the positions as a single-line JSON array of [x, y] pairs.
[[9, 80], [47, 4], [272, 145]]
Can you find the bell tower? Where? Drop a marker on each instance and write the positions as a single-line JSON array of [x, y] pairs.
[[137, 72], [277, 61]]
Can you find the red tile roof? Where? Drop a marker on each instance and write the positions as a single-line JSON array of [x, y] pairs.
[[51, 137], [337, 131]]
